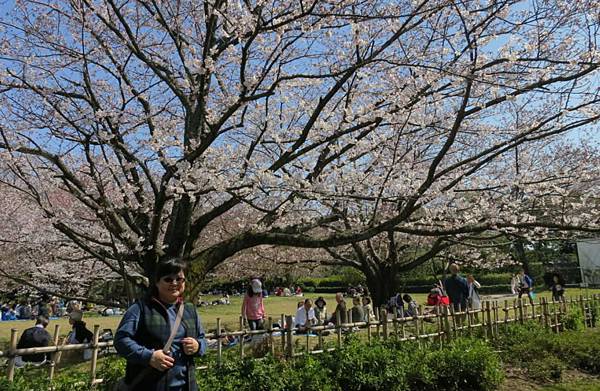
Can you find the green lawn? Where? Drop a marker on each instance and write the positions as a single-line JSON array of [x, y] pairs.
[[229, 314]]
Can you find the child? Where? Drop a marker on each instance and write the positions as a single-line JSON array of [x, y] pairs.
[[412, 309], [558, 288]]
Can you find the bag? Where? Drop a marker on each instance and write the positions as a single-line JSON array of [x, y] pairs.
[[122, 385]]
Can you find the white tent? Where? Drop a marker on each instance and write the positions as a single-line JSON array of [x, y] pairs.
[[588, 251]]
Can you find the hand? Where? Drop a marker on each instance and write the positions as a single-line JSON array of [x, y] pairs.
[[161, 361], [190, 345]]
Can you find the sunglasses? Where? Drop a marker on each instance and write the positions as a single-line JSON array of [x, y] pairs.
[[169, 280]]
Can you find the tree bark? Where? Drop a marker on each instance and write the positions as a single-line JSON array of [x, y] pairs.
[[382, 285]]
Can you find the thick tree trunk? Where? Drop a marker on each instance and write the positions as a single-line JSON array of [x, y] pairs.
[[382, 285], [520, 255]]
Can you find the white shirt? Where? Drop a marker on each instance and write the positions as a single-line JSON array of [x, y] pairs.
[[301, 316]]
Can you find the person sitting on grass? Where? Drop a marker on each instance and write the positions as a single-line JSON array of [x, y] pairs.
[[320, 310], [358, 313], [80, 333], [305, 317], [412, 309], [36, 337], [339, 309], [368, 309]]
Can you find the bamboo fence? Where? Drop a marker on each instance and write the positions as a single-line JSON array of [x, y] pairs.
[[438, 323]]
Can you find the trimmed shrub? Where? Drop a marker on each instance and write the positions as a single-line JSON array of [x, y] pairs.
[[467, 364]]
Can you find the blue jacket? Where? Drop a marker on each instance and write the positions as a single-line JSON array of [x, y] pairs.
[[145, 327], [458, 291]]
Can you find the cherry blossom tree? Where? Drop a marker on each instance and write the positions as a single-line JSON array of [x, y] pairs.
[[161, 121], [36, 257]]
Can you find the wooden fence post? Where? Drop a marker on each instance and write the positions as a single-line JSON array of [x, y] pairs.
[[496, 317], [281, 327], [378, 319], [438, 319], [338, 328], [490, 329], [545, 313], [289, 325], [453, 320], [521, 316], [447, 324], [219, 346], [506, 314], [416, 320], [583, 312], [271, 342], [368, 326], [94, 363], [11, 354], [384, 323], [422, 313], [55, 341], [469, 321], [242, 336]]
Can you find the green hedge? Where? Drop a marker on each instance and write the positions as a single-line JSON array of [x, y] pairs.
[[492, 283]]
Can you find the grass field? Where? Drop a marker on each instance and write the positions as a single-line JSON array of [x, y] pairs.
[[230, 314]]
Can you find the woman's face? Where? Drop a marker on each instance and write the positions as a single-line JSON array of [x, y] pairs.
[[171, 287], [555, 278]]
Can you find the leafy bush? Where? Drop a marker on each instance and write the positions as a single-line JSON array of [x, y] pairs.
[[547, 368], [361, 367], [466, 364], [545, 354], [68, 381], [573, 320]]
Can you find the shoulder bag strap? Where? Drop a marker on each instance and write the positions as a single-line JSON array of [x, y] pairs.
[[167, 347]]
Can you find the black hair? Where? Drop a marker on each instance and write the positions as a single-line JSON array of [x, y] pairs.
[[560, 278], [249, 291], [166, 268], [407, 298], [368, 299], [41, 319], [320, 299]]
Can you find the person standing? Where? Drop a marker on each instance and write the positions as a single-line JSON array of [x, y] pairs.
[[146, 327], [253, 308], [514, 284], [474, 297], [558, 288], [456, 288], [525, 286]]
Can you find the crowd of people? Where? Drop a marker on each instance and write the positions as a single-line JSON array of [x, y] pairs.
[[49, 307], [160, 335]]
